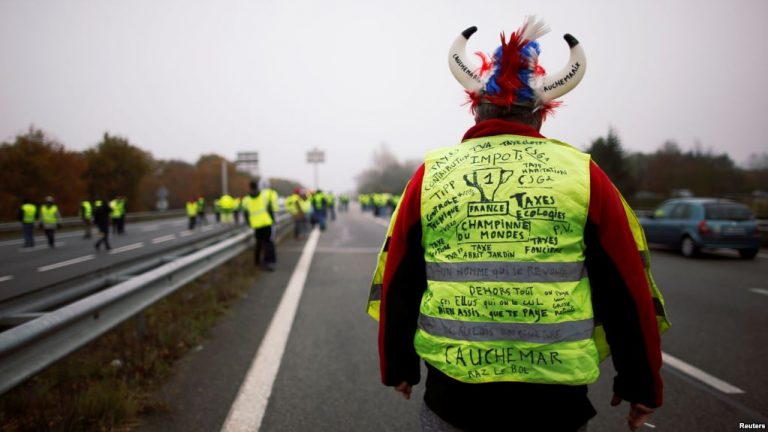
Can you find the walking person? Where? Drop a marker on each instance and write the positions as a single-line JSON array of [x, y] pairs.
[[319, 208], [28, 216], [50, 219], [86, 215], [101, 217], [512, 287], [262, 208], [192, 209]]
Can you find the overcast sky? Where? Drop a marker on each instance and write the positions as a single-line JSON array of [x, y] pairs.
[[185, 78]]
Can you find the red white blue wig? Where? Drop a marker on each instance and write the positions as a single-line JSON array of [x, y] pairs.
[[512, 75]]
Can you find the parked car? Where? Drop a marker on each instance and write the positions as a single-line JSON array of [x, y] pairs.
[[694, 224]]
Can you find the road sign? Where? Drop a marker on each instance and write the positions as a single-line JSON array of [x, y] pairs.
[[315, 156], [248, 162]]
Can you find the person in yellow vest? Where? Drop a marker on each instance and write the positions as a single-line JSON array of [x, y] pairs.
[[50, 219], [513, 266], [262, 210], [86, 215], [227, 205], [28, 217], [330, 201], [192, 209], [294, 206], [101, 217], [114, 214], [121, 211], [319, 209], [201, 210]]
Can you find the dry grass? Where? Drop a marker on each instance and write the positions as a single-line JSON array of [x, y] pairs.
[[105, 385]]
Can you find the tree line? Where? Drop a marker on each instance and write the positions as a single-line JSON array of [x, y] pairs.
[[34, 166], [645, 179]]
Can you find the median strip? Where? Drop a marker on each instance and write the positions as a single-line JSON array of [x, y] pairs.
[[164, 239], [130, 247], [66, 263], [700, 375]]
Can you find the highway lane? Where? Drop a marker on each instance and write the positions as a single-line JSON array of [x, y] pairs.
[[24, 270], [328, 377]]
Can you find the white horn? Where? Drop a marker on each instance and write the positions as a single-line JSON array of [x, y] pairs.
[[557, 84], [462, 69]]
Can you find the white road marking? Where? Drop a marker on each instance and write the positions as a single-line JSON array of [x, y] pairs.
[[206, 228], [700, 375], [162, 239], [150, 228], [126, 248], [186, 233], [249, 407], [759, 291], [66, 263], [5, 278]]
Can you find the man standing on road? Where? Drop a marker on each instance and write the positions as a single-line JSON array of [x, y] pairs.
[[50, 219], [513, 266], [27, 217], [262, 208], [101, 216], [192, 209], [86, 215]]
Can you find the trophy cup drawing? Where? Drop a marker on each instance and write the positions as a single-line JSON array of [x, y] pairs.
[[487, 181]]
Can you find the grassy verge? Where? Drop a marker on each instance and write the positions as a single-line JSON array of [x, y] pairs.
[[106, 384]]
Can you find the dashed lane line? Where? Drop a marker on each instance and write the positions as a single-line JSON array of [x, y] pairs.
[[6, 278], [150, 228], [700, 375], [186, 233], [162, 239], [127, 248], [206, 228], [66, 263], [249, 407], [759, 291]]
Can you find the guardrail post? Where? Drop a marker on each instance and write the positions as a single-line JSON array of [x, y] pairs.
[[140, 321]]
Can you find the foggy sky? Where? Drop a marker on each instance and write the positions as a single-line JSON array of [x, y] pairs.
[[184, 78]]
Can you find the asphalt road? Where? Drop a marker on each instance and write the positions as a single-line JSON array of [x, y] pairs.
[[29, 269], [328, 375]]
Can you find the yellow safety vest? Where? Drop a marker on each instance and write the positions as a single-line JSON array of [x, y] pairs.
[[508, 298], [192, 207], [258, 215], [49, 214], [29, 211], [87, 210]]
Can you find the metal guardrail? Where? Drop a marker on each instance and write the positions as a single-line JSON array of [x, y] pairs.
[[76, 221], [36, 344]]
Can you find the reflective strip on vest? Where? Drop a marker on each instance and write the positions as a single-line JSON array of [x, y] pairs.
[[507, 331], [506, 271]]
